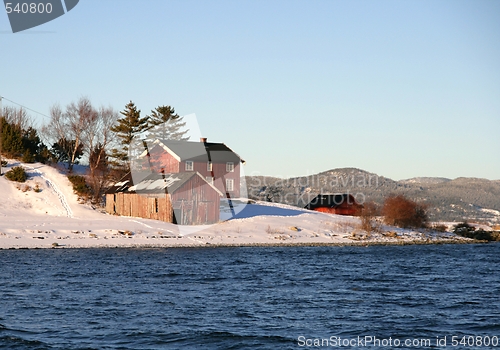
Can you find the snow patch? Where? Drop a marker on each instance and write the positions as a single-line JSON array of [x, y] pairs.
[[491, 211]]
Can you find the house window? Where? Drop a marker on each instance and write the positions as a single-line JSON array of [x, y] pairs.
[[229, 185], [209, 166], [156, 206], [229, 167], [210, 180], [189, 165]]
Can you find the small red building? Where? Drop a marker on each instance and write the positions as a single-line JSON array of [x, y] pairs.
[[215, 162], [341, 204], [180, 198]]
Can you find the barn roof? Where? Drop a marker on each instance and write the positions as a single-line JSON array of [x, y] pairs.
[[199, 151], [122, 185], [156, 183], [330, 201]]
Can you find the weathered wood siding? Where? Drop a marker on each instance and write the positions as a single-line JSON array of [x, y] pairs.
[[157, 207], [161, 160], [110, 204], [220, 174], [196, 203]]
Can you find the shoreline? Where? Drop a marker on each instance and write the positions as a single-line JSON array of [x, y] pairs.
[[263, 245], [53, 218]]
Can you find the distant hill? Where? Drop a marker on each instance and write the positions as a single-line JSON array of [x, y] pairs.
[[425, 180], [459, 199]]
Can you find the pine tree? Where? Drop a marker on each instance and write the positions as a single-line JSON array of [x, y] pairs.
[[21, 143], [126, 130], [12, 139], [63, 149], [165, 124]]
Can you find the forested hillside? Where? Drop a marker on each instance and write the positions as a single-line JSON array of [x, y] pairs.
[[448, 200]]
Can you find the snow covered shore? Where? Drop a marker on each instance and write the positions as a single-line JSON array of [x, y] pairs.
[[53, 218]]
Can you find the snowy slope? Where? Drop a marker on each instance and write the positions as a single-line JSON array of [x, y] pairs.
[[54, 218]]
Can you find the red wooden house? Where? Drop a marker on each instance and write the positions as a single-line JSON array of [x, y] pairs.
[[341, 204], [217, 163], [181, 198]]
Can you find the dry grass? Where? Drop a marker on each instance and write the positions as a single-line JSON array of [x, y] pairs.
[[273, 231], [37, 188], [370, 225], [390, 234], [344, 226], [440, 228], [23, 188]]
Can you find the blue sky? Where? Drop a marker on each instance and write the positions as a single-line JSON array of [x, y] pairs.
[[399, 88]]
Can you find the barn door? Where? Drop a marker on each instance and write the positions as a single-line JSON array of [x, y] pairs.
[[202, 213], [177, 216]]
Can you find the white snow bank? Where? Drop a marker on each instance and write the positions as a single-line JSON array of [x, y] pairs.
[[52, 217]]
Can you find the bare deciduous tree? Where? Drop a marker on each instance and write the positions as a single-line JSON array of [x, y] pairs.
[[83, 128], [368, 216], [80, 116], [70, 125], [98, 138], [56, 129], [17, 117]]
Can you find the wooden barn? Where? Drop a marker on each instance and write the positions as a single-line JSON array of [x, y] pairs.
[[341, 204], [180, 198]]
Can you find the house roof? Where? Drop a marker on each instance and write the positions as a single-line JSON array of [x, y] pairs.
[[156, 183], [330, 201], [199, 151]]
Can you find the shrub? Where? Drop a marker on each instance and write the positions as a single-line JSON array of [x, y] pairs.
[[4, 163], [463, 229], [367, 215], [79, 185], [271, 230], [37, 188], [440, 228], [402, 212], [28, 157], [495, 236], [17, 174]]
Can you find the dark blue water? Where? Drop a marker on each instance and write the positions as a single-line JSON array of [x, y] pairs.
[[248, 298]]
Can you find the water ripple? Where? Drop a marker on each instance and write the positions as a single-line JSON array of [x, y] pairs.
[[244, 298]]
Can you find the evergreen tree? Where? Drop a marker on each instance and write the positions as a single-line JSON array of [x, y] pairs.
[[165, 124], [12, 139], [98, 158], [32, 142], [126, 130], [22, 143], [63, 148]]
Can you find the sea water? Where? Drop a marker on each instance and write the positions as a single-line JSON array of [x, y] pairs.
[[434, 296]]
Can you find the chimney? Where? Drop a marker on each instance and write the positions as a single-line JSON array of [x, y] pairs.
[[203, 139]]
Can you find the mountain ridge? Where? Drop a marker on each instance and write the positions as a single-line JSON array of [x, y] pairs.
[[459, 199]]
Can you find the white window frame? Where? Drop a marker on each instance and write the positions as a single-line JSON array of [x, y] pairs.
[[209, 166], [229, 167], [210, 180], [189, 165], [229, 185]]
